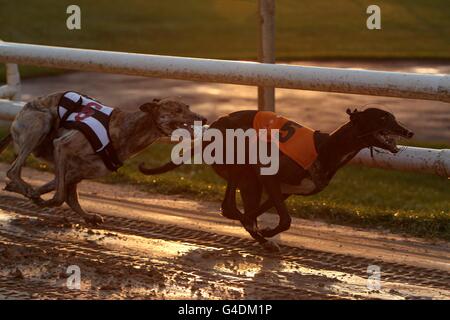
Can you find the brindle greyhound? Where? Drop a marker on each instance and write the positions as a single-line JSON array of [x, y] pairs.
[[369, 128], [36, 129]]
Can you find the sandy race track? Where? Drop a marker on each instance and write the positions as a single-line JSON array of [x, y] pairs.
[[160, 247]]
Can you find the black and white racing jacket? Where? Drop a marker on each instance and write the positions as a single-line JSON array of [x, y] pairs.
[[92, 118]]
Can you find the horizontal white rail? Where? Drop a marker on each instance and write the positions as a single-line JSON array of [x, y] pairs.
[[436, 161], [9, 109], [378, 83]]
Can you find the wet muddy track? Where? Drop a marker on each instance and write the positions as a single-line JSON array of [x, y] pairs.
[[142, 270], [157, 273]]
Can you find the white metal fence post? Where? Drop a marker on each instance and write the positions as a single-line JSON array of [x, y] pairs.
[[266, 50], [12, 88], [13, 80]]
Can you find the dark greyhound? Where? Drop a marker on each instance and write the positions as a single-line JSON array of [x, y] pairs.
[[369, 128]]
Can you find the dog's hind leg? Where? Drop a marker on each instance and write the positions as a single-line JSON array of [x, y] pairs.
[[28, 131], [72, 201], [16, 183]]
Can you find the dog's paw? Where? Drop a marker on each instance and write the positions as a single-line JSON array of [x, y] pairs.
[[94, 219], [271, 246]]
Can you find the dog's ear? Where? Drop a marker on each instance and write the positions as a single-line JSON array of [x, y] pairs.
[[352, 114], [149, 106]]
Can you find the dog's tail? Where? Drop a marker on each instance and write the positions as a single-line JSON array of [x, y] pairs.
[[164, 168], [5, 142]]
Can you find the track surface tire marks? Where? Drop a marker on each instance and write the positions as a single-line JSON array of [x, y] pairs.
[[37, 245]]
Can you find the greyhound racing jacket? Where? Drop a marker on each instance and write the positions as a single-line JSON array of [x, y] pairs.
[[295, 141], [82, 113]]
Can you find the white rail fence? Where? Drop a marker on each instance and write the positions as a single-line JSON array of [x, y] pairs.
[[377, 83]]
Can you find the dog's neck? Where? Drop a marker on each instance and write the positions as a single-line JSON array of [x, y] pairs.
[[342, 145], [133, 132]]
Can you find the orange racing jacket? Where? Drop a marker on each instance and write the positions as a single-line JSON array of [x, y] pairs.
[[295, 141]]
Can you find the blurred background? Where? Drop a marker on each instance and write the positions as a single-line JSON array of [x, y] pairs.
[[307, 29]]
